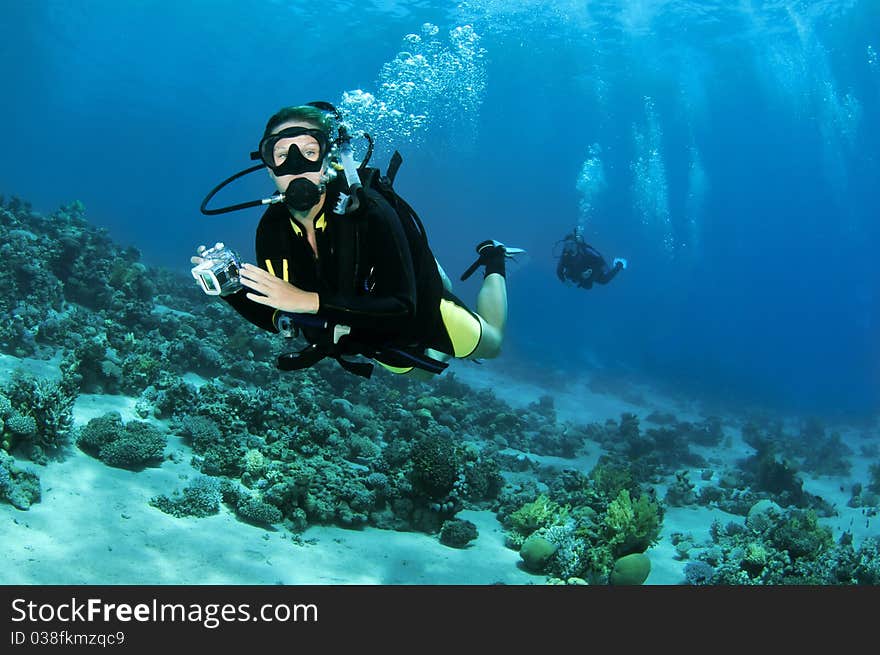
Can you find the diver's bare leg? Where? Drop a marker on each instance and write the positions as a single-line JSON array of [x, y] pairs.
[[492, 309]]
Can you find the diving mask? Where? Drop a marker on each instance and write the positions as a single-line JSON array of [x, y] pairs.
[[297, 150], [293, 151]]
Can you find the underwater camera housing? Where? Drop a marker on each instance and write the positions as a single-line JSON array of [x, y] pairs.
[[218, 273]]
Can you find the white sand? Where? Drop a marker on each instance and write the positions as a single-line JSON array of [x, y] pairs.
[[94, 524]]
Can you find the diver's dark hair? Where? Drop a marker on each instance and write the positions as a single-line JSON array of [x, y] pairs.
[[305, 113]]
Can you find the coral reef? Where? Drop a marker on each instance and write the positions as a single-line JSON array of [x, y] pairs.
[[37, 415], [681, 492], [457, 533], [776, 546], [132, 445], [812, 449], [598, 524], [19, 487], [651, 453], [435, 467], [201, 497]]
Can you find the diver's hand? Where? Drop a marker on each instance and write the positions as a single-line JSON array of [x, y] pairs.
[[198, 259], [620, 262], [275, 292]]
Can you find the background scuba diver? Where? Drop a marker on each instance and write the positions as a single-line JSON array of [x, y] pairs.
[[582, 264], [372, 288]]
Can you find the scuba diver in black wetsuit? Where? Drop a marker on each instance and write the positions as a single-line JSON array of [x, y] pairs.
[[345, 261], [583, 265]]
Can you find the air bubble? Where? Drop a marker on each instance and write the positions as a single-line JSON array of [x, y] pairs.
[[429, 86]]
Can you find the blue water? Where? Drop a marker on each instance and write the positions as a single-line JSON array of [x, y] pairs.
[[727, 150]]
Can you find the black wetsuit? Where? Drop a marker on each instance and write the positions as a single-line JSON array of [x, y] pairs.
[[583, 264], [364, 274]]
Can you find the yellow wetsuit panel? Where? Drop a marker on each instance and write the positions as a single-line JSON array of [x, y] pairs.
[[464, 330], [463, 327], [396, 369]]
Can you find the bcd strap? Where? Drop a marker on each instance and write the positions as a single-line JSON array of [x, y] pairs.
[[308, 356], [348, 245], [403, 358], [385, 186], [363, 369], [393, 165], [311, 355], [399, 357]]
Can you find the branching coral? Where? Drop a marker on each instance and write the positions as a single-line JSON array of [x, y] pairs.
[[40, 414], [631, 527], [540, 513]]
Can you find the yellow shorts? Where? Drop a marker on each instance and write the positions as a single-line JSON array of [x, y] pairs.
[[463, 327]]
